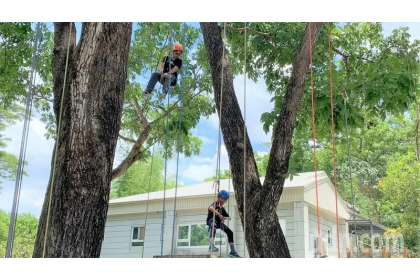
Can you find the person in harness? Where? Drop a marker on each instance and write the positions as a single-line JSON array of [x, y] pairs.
[[163, 75], [220, 215]]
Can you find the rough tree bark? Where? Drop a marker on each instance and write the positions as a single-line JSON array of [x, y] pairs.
[[264, 237], [92, 108]]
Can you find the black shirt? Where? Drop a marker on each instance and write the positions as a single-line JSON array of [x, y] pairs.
[[210, 213], [176, 62]]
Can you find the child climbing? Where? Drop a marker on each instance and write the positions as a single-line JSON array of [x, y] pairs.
[[220, 215], [163, 75]]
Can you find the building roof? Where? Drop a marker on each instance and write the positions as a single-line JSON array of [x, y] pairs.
[[301, 180]]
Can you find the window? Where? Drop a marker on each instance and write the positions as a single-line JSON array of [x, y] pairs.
[[137, 236], [329, 238], [197, 235], [313, 242]]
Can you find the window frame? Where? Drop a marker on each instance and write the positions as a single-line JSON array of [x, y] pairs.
[[139, 235], [189, 225], [329, 237]]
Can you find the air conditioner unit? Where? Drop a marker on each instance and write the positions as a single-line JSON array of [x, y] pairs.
[[324, 248]]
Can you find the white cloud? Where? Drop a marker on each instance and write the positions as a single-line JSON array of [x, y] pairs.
[[38, 154], [37, 144], [204, 167], [257, 103], [204, 139]]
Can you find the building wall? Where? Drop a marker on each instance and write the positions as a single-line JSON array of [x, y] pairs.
[[327, 222], [118, 233], [285, 214]]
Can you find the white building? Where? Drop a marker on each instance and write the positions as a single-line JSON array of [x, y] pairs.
[[129, 234]]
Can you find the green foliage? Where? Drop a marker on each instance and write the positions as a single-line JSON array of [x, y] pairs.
[[402, 185], [149, 46], [377, 80], [25, 234], [136, 179], [224, 174], [8, 162], [15, 60], [261, 160]]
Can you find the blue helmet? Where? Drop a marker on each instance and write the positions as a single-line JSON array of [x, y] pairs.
[[224, 194]]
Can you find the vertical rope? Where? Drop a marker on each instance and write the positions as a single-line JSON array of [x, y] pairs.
[[217, 182], [57, 143], [178, 144], [314, 140], [245, 140], [333, 140], [147, 203], [351, 176], [19, 173], [166, 145]]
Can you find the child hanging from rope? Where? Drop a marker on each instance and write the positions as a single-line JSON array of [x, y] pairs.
[[163, 74], [220, 216]]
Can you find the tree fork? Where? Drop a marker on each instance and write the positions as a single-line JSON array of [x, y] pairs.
[[91, 118], [264, 237]]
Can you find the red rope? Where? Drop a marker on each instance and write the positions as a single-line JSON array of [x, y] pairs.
[[313, 137], [333, 143]]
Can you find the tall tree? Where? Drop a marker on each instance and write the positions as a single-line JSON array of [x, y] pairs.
[[144, 121], [91, 114], [264, 236]]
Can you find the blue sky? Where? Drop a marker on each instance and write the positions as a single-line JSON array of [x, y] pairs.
[[191, 170]]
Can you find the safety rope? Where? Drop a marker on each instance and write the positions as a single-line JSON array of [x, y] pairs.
[[177, 160], [217, 181], [147, 202], [313, 138], [166, 144], [24, 141], [244, 208], [333, 140], [57, 143]]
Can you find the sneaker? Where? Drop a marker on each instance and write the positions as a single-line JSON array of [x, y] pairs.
[[213, 249], [146, 94], [233, 254]]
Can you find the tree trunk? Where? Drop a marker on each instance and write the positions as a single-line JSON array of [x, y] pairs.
[[91, 117], [264, 237]]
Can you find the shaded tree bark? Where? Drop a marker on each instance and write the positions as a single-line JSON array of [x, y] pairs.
[[91, 117], [264, 236]]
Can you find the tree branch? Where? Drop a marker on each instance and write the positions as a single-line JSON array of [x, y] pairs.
[[41, 97], [134, 154], [127, 139], [140, 114], [281, 149], [249, 29], [345, 60]]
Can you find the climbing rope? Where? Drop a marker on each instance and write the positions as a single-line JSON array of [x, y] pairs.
[[333, 140], [57, 143], [166, 144], [147, 202], [244, 138], [178, 145], [314, 140], [216, 184], [24, 141]]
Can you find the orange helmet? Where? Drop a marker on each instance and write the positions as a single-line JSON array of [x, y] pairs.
[[178, 47]]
